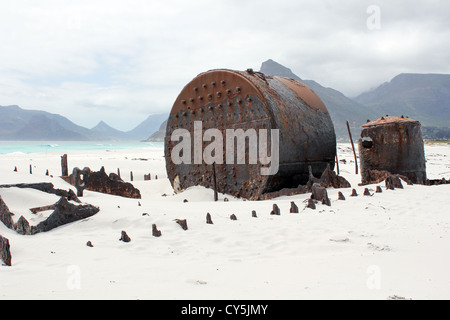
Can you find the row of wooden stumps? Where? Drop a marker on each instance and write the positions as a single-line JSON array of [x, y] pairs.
[[391, 183], [47, 173], [65, 170]]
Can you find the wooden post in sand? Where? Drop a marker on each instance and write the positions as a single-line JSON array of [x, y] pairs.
[[131, 175], [216, 195], [64, 167], [337, 163], [353, 147]]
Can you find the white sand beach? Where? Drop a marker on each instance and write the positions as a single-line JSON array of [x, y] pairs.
[[392, 245]]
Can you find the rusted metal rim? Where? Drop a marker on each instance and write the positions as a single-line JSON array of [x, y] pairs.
[[388, 120]]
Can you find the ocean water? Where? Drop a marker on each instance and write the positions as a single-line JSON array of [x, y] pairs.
[[28, 147]]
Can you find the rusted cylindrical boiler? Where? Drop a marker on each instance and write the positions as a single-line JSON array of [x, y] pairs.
[[231, 100], [394, 145]]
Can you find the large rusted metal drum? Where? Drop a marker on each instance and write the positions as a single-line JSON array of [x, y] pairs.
[[392, 145], [226, 99]]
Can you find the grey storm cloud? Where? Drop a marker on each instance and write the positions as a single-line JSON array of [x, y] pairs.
[[136, 56]]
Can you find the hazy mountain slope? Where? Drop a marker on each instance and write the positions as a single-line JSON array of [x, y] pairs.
[[105, 130], [41, 127], [340, 107], [20, 124], [147, 127], [159, 135], [423, 97]]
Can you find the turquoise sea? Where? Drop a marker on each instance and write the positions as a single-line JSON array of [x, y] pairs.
[[27, 147]]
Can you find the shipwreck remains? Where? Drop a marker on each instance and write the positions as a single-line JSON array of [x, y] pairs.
[[242, 100], [392, 145], [99, 181]]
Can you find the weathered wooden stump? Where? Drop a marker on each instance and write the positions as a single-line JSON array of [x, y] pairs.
[[341, 196], [311, 204], [294, 208], [22, 226], [208, 219], [393, 182], [275, 210], [378, 190], [124, 237], [182, 223], [79, 179], [354, 193], [89, 244], [254, 214], [64, 167], [233, 217], [367, 192], [320, 194], [5, 251], [155, 231]]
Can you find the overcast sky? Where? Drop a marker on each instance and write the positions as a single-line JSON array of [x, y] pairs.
[[120, 61]]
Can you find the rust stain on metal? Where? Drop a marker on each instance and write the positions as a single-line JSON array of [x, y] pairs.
[[227, 99], [387, 120], [304, 92]]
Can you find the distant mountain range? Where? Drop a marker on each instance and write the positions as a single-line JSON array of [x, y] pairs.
[[33, 125], [422, 97], [340, 107]]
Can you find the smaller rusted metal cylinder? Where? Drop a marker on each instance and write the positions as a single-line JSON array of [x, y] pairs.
[[392, 145]]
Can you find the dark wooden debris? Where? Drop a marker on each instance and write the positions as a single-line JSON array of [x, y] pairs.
[[5, 214], [43, 208], [182, 223], [341, 196], [5, 251], [64, 213], [354, 193], [378, 190], [208, 219], [328, 179], [22, 226], [155, 231], [99, 181], [320, 194], [254, 214], [367, 192], [124, 237], [64, 167], [275, 210], [89, 244], [392, 182], [311, 204], [294, 208], [46, 187], [233, 217]]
